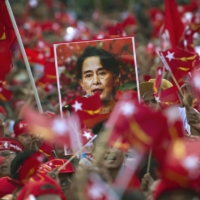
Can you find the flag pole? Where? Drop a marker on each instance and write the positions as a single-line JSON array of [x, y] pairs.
[[78, 152], [157, 107], [168, 68], [24, 55]]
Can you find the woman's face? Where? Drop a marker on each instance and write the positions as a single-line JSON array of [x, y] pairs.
[[97, 79]]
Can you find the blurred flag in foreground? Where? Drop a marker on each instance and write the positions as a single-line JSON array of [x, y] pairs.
[[5, 94], [182, 163], [7, 37], [61, 130], [134, 125]]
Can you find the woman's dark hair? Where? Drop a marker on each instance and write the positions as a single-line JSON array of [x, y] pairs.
[[108, 61]]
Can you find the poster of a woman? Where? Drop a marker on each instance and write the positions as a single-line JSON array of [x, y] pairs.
[[105, 66]]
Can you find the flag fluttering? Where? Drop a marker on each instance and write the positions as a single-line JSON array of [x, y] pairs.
[[133, 125], [64, 131], [173, 23], [179, 62], [88, 109]]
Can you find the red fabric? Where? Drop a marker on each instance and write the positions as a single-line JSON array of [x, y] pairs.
[[157, 20], [116, 30], [175, 131], [47, 149], [7, 187], [173, 22], [5, 41], [164, 186], [169, 97], [11, 144], [190, 7], [158, 80], [34, 56], [129, 21], [5, 54], [179, 62], [49, 129], [133, 123], [26, 170], [4, 15], [56, 163], [36, 189], [20, 128], [182, 167], [5, 94], [90, 108]]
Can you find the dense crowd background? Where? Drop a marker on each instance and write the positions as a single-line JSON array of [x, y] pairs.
[[42, 23]]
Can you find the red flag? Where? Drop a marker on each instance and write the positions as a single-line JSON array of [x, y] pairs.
[[35, 56], [169, 97], [186, 41], [174, 132], [182, 167], [45, 84], [4, 15], [62, 130], [133, 125], [7, 37], [158, 80], [5, 94], [88, 109], [173, 22], [50, 71], [179, 62]]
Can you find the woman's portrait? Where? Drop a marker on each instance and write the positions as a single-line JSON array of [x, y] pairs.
[[105, 66]]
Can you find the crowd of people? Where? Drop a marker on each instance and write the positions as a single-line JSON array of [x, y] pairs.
[[134, 140]]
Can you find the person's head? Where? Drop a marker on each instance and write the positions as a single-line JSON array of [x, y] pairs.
[[26, 164], [111, 158], [168, 190], [47, 189], [98, 71], [149, 100], [21, 133], [64, 176], [9, 148], [180, 194], [147, 94]]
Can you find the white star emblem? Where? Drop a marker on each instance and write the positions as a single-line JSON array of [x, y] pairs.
[[60, 127], [40, 56], [159, 72], [170, 56], [95, 192], [128, 109], [21, 125], [40, 158], [172, 114], [191, 162], [87, 135], [77, 106], [185, 43]]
